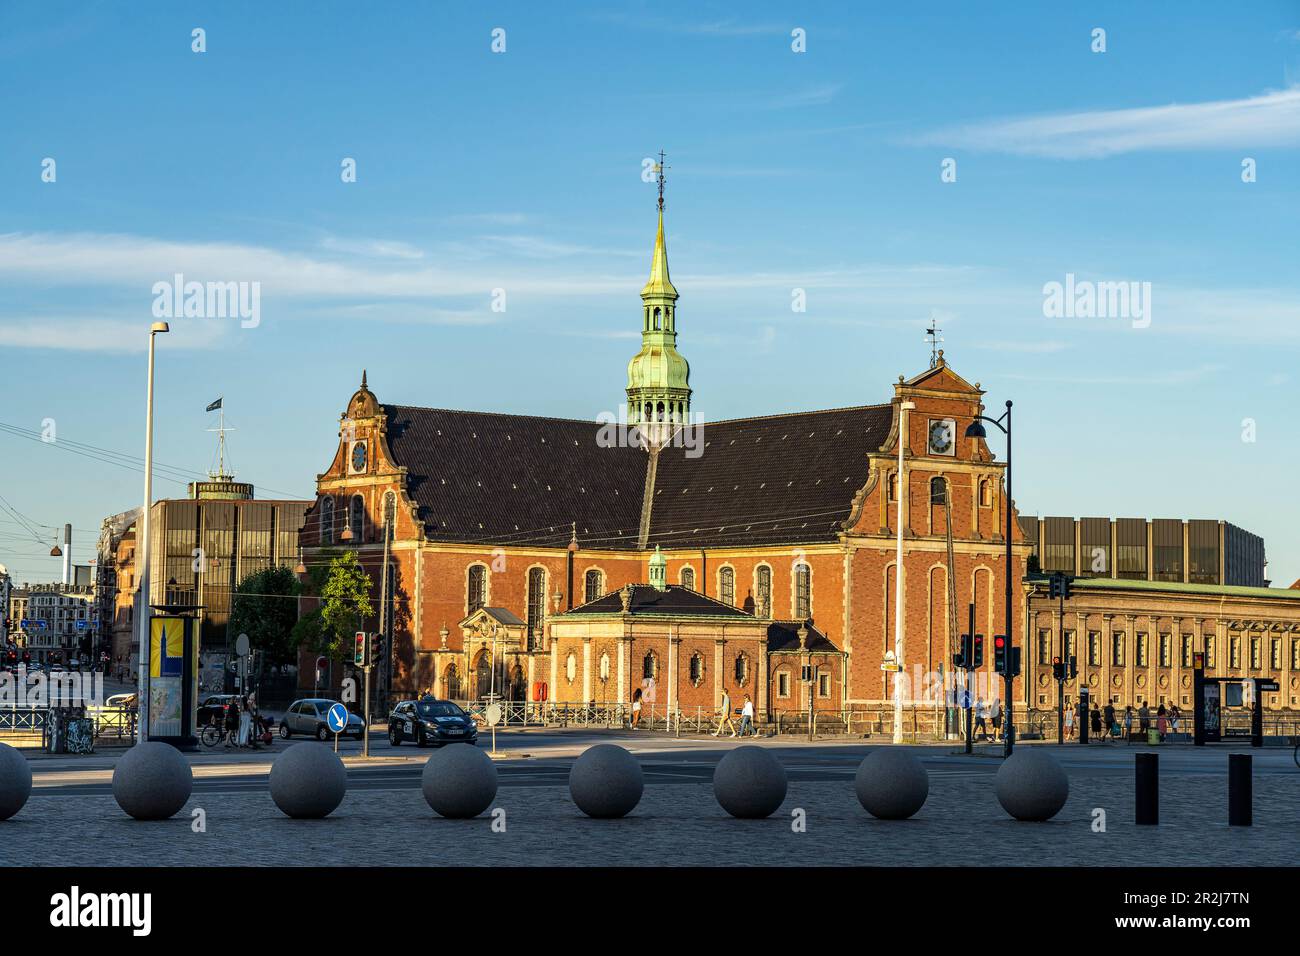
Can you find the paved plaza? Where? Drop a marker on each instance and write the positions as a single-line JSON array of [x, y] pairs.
[[72, 819]]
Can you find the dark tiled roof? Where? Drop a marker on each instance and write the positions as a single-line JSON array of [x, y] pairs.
[[501, 479], [784, 636], [774, 480], [647, 599], [483, 477]]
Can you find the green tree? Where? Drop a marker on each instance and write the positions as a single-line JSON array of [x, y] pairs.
[[265, 607], [344, 603]]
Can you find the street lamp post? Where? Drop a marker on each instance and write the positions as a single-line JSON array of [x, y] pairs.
[[142, 686], [976, 430], [903, 409]]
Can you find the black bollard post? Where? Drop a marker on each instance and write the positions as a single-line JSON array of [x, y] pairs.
[[1239, 790], [1147, 789]]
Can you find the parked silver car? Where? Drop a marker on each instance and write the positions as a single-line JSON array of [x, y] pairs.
[[308, 717]]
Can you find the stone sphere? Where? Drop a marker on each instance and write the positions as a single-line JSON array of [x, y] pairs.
[[15, 781], [152, 781], [1031, 784], [459, 781], [606, 781], [892, 784], [308, 781], [749, 783]]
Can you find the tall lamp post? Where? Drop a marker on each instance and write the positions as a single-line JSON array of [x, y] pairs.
[[976, 430], [899, 676], [142, 686]]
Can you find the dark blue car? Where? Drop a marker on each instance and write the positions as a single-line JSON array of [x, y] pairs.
[[430, 722]]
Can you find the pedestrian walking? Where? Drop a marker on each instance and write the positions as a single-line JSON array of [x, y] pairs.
[[724, 715], [1096, 722], [747, 718], [636, 708], [995, 714], [1128, 723], [1144, 721], [981, 715], [1175, 715], [1162, 722], [1108, 715]]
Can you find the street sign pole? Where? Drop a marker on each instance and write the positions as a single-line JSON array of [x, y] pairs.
[[365, 731]]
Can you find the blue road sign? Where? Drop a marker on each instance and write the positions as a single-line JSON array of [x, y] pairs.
[[81, 625], [337, 718]]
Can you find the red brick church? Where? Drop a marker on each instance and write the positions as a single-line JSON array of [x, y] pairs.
[[539, 559]]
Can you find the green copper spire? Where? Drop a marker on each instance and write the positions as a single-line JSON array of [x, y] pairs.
[[658, 377]]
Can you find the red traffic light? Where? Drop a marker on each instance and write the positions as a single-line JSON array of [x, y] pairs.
[[999, 642]]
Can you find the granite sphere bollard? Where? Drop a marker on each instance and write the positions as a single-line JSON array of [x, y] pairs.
[[606, 781], [308, 781], [892, 784], [1032, 785], [459, 781], [749, 783], [15, 781], [152, 781]]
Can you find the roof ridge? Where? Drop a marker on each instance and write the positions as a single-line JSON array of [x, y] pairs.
[[810, 411], [593, 421]]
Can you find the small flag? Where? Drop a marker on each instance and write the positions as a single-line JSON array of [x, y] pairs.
[[215, 405]]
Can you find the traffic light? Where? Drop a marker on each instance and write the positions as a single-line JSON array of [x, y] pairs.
[[376, 648], [977, 652], [1015, 662], [1058, 669], [359, 652], [1072, 669], [965, 653], [1000, 654], [1059, 586]]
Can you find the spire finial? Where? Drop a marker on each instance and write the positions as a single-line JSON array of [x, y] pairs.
[[363, 380], [659, 169], [936, 353]]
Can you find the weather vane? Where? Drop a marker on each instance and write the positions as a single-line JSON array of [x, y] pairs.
[[659, 169], [935, 341]]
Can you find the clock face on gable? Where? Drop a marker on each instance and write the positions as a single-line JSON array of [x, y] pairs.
[[942, 437], [358, 457]]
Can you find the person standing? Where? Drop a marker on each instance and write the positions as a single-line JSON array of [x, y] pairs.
[[636, 708], [1144, 721], [995, 713], [1096, 722], [232, 722], [1128, 723], [724, 715], [1162, 722], [747, 717], [981, 715], [1108, 715], [1174, 716], [1069, 723]]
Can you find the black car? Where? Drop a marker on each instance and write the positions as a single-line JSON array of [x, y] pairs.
[[214, 707], [430, 722]]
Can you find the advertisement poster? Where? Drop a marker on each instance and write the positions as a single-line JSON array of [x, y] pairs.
[[166, 676], [1210, 714]]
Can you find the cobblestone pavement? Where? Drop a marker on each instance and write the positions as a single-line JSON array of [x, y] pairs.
[[676, 824]]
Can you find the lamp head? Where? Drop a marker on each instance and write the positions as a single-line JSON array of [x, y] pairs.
[[976, 430], [159, 327]]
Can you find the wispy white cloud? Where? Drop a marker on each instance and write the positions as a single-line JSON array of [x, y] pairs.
[[117, 335], [811, 96], [1269, 119], [372, 248]]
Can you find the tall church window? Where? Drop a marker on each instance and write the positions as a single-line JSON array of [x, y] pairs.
[[763, 606], [727, 586], [802, 592], [594, 585], [650, 666], [688, 578], [327, 521], [938, 491], [357, 518], [536, 603], [477, 588]]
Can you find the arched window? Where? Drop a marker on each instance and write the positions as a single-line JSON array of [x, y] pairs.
[[476, 588], [938, 491], [742, 669], [536, 603], [697, 669], [802, 592], [571, 668], [650, 666], [688, 578], [594, 585], [763, 585], [327, 520], [656, 318], [727, 586], [986, 494], [357, 518], [892, 484]]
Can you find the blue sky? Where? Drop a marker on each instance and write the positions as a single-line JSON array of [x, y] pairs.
[[522, 171]]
